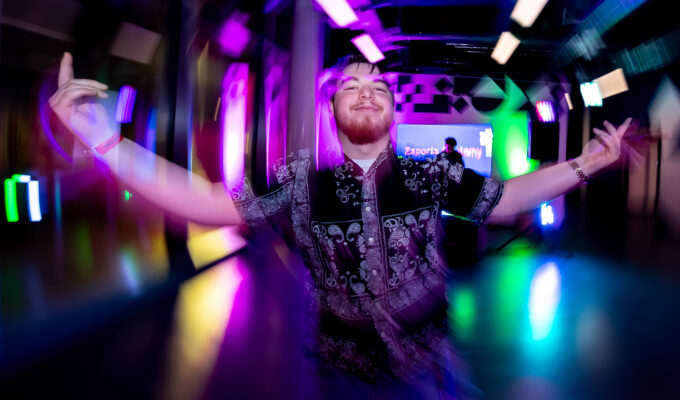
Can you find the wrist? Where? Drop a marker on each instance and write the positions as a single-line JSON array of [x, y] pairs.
[[577, 165], [111, 141]]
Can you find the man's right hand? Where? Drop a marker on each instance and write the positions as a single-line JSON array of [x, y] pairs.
[[75, 104]]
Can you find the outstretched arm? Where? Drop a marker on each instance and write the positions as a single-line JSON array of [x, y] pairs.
[[169, 186], [530, 190]]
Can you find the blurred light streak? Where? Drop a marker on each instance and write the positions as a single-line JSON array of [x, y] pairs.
[[544, 298], [234, 93], [649, 56], [545, 111], [339, 11], [127, 195], [34, 201], [125, 104], [234, 36], [275, 98], [519, 165], [11, 209], [209, 246], [130, 270], [505, 46], [591, 94], [526, 11], [150, 134], [21, 178], [368, 48], [568, 98], [547, 216], [462, 312], [328, 151], [202, 313], [612, 83], [82, 251], [586, 42]]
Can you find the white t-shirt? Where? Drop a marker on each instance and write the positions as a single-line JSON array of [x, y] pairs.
[[364, 164]]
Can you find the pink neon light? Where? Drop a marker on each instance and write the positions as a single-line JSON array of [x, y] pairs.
[[368, 48], [125, 104], [339, 11], [234, 95], [234, 36]]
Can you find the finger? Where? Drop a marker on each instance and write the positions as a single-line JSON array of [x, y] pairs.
[[69, 97], [56, 98], [610, 128], [65, 69], [624, 126], [90, 82]]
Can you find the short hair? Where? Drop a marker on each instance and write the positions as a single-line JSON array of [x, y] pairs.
[[451, 141], [344, 62]]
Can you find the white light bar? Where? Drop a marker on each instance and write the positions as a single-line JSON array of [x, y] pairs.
[[591, 94], [612, 83], [339, 11], [368, 48], [34, 201], [526, 11], [506, 45], [568, 98]]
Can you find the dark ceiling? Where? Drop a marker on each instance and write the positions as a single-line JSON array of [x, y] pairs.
[[457, 37]]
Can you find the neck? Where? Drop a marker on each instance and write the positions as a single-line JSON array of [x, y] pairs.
[[363, 151]]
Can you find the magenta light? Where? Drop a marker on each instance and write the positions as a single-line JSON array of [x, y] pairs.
[[368, 48], [545, 111], [234, 96], [125, 104], [234, 36], [339, 11]]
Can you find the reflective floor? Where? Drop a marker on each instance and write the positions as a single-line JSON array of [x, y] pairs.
[[541, 316]]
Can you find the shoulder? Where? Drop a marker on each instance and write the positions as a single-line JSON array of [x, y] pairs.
[[287, 168]]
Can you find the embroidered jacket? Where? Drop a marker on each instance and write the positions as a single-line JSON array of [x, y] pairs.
[[372, 244]]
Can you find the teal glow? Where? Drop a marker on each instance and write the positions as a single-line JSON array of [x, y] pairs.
[[128, 195], [543, 300]]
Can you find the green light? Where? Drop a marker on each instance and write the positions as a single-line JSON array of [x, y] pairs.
[[128, 195], [82, 250], [462, 312], [11, 201]]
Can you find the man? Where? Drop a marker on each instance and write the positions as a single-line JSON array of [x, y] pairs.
[[368, 229], [450, 151]]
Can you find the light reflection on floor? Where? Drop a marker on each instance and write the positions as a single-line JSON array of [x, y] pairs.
[[532, 323]]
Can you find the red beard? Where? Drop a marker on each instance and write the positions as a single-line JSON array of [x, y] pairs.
[[362, 130]]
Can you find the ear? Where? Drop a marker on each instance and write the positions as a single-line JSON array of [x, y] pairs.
[[332, 106]]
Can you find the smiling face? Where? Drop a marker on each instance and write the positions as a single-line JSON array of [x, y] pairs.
[[363, 105]]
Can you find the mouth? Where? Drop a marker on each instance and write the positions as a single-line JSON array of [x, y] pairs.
[[366, 108]]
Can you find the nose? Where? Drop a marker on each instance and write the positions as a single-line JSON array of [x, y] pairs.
[[366, 92]]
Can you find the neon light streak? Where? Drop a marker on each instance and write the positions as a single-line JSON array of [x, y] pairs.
[[125, 104], [544, 299], [11, 201], [34, 201], [591, 94], [368, 48], [545, 111], [339, 11], [526, 11], [547, 216], [505, 46], [234, 93]]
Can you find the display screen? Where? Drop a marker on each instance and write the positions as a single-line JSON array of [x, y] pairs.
[[473, 143]]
